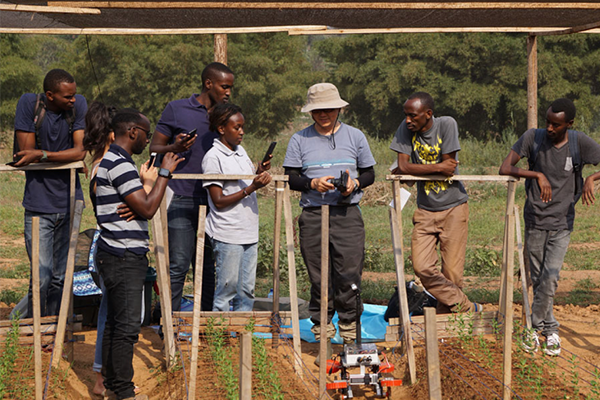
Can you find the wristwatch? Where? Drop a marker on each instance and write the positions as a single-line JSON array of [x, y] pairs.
[[44, 156], [165, 173]]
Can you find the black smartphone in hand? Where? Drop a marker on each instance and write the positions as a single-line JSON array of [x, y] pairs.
[[191, 134], [268, 154], [152, 159]]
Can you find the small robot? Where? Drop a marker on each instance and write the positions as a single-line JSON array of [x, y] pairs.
[[372, 363]]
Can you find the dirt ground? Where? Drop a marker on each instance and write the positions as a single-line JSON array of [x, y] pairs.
[[580, 332]]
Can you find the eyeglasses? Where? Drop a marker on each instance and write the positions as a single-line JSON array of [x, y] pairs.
[[146, 131]]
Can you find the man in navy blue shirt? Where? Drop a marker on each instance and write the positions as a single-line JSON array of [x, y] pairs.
[[58, 139], [178, 119]]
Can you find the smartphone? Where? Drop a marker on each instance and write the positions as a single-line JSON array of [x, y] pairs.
[[152, 159], [268, 153], [11, 164], [191, 134]]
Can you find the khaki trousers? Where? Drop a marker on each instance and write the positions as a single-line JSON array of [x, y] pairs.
[[449, 228]]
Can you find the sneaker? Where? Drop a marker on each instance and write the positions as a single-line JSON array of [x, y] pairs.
[[531, 341], [552, 347]]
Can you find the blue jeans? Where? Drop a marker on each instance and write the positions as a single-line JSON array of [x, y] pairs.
[[124, 280], [546, 251], [54, 249], [183, 227], [236, 275]]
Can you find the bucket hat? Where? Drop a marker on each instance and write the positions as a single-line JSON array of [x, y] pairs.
[[322, 96]]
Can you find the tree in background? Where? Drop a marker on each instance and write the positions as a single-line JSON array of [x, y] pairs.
[[19, 73], [272, 76], [479, 79], [146, 72]]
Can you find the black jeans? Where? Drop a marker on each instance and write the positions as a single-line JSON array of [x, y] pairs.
[[123, 278]]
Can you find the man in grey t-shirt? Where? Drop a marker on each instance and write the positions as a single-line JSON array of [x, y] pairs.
[[428, 146], [550, 208]]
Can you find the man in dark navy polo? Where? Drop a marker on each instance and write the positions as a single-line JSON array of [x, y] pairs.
[[178, 119], [59, 138]]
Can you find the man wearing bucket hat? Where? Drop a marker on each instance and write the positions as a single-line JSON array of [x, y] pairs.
[[317, 159]]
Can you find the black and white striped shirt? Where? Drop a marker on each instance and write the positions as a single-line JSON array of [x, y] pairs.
[[117, 178]]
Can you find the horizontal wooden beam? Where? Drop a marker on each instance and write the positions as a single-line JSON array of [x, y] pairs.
[[576, 29], [154, 31], [326, 5], [231, 314], [482, 178], [49, 9], [491, 29], [216, 177], [42, 166]]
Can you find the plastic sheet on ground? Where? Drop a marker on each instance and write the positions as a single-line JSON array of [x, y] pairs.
[[372, 325]]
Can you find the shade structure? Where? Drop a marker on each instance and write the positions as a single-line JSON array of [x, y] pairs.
[[334, 14]]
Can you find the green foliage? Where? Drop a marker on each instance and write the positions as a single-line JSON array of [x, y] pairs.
[[483, 261], [19, 74], [221, 356], [479, 79], [8, 358], [10, 296], [272, 77]]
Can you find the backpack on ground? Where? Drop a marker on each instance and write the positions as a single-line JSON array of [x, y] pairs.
[[417, 300], [575, 157]]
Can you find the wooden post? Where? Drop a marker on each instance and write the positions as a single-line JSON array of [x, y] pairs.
[[164, 282], [221, 48], [245, 366], [289, 239], [396, 228], [509, 248], [433, 357], [67, 288], [510, 210], [324, 300], [526, 314], [197, 300], [165, 228], [70, 346], [532, 71], [35, 292], [276, 245]]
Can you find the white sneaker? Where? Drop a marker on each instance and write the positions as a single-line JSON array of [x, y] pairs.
[[531, 341], [552, 347]]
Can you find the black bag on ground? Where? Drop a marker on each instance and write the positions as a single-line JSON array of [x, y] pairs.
[[416, 302]]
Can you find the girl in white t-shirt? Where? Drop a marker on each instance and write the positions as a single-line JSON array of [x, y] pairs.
[[232, 224]]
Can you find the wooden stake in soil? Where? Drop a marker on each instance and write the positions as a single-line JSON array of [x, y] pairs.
[[68, 287], [276, 245], [245, 366], [396, 228], [35, 292], [164, 282], [508, 268], [433, 357], [324, 300], [197, 300], [289, 239], [526, 304]]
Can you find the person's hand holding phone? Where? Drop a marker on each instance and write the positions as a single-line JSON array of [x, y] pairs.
[[184, 141], [265, 164]]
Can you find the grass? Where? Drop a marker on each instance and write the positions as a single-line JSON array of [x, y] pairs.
[[486, 224]]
